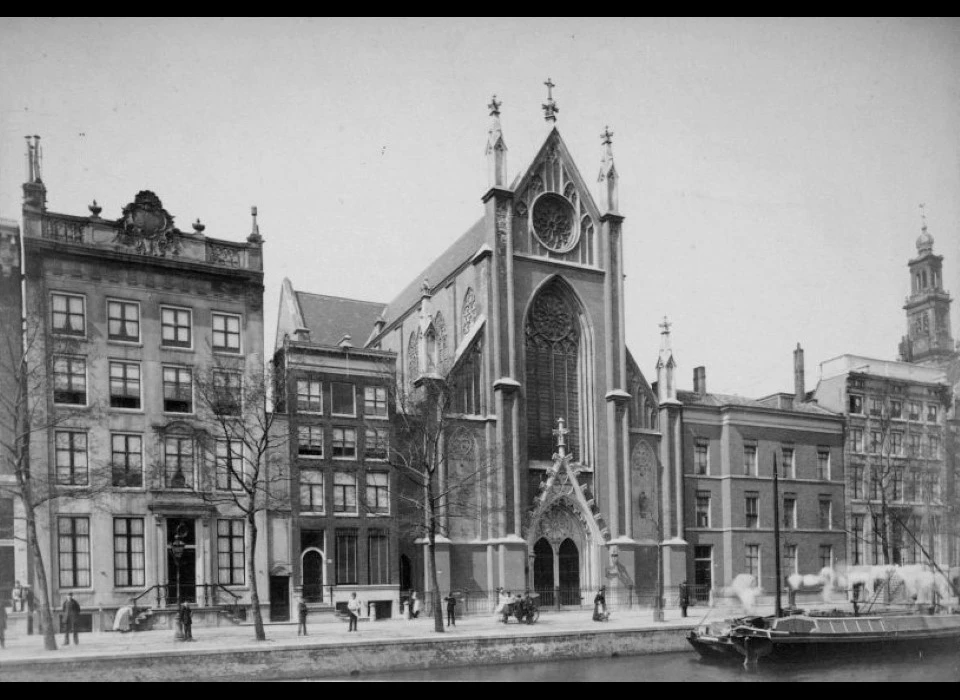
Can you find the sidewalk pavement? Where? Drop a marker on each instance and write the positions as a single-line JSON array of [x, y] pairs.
[[329, 630]]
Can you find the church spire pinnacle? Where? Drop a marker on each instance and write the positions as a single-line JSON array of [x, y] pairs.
[[666, 366], [550, 108], [608, 178], [496, 147], [925, 240]]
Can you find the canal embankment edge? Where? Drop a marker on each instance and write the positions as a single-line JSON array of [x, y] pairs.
[[290, 662]]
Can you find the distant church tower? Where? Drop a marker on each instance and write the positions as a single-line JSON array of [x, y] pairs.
[[929, 340]]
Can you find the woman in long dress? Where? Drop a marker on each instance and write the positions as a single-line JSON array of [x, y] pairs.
[[414, 605], [600, 613]]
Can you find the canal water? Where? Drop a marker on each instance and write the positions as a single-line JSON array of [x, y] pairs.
[[684, 666]]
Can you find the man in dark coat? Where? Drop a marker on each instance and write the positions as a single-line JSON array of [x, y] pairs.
[[302, 612], [186, 620], [451, 610], [71, 619], [684, 598]]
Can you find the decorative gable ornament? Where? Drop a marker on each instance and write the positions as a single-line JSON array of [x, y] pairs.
[[147, 227]]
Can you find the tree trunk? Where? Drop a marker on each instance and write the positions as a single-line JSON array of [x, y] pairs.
[[259, 632], [432, 559], [46, 612]]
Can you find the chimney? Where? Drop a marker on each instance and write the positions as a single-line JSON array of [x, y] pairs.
[[700, 381], [302, 335], [799, 385]]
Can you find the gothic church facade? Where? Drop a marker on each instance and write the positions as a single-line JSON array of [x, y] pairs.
[[524, 313]]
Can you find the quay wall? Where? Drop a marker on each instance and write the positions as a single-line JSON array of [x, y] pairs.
[[324, 660]]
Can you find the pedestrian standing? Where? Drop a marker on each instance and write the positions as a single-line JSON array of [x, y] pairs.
[[71, 612], [186, 621], [28, 605], [302, 619], [414, 605], [451, 610], [353, 610], [600, 613], [684, 599], [3, 623]]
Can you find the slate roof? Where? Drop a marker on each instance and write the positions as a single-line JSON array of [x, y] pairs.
[[721, 400], [460, 250], [330, 318]]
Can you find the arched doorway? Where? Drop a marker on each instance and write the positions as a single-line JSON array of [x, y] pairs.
[[569, 573], [312, 571], [543, 582]]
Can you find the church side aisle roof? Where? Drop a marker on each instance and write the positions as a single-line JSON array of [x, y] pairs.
[[460, 251], [330, 318]]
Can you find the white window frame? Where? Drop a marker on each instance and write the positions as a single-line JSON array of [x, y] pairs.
[[828, 472], [696, 513], [193, 476], [792, 524], [86, 457], [230, 373], [86, 381], [193, 391], [377, 433], [789, 466], [233, 486], [83, 299], [143, 475], [753, 468], [367, 485], [356, 446], [386, 403], [314, 473], [226, 351], [118, 341], [829, 502], [323, 446], [355, 513], [308, 381], [705, 444], [192, 326], [110, 363]]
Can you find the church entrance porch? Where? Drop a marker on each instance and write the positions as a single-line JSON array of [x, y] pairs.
[[556, 573]]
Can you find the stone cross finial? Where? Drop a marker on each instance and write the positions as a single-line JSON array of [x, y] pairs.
[[665, 326], [494, 107], [550, 108], [561, 434], [607, 136]]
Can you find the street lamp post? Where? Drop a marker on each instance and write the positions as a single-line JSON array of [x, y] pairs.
[[177, 548]]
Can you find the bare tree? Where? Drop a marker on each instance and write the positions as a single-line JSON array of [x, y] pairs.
[[434, 488], [28, 412], [247, 440]]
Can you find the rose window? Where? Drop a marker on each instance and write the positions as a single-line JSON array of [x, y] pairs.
[[553, 222]]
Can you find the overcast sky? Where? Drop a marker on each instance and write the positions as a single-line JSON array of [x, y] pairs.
[[771, 170]]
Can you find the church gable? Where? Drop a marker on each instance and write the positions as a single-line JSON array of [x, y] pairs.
[[554, 214]]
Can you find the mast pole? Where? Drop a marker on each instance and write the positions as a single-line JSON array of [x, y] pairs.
[[778, 610]]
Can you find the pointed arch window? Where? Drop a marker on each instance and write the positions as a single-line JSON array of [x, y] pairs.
[[467, 382], [552, 362], [440, 328], [413, 358], [430, 349]]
